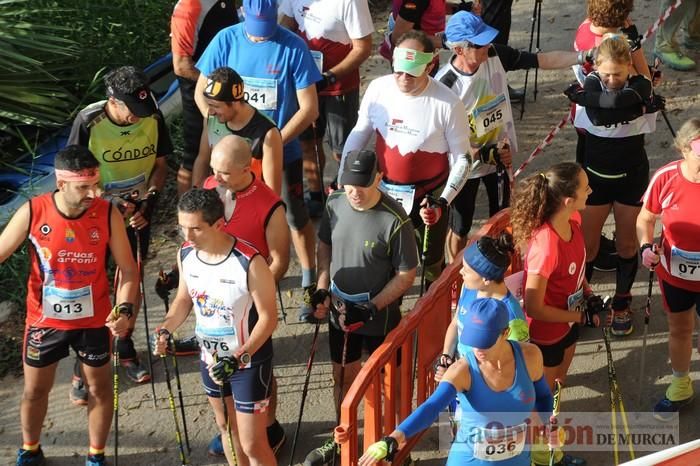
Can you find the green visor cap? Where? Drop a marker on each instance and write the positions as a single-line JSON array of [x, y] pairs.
[[411, 61]]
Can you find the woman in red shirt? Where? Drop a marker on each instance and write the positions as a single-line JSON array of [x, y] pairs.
[[673, 194]]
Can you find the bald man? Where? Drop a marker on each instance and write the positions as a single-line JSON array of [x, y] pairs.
[[253, 213]]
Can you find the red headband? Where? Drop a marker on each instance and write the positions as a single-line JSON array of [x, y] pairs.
[[90, 175]]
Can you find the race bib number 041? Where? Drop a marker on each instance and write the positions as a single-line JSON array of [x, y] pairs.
[[261, 93]]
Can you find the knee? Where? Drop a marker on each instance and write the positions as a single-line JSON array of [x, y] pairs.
[[680, 330], [253, 446], [36, 393], [627, 247], [100, 390]]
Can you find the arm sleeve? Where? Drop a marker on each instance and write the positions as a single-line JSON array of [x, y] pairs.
[[457, 135], [514, 59], [362, 132], [425, 414], [165, 144], [544, 402], [412, 10], [595, 96]]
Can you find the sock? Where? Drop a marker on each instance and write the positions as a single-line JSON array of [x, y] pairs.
[[30, 446], [589, 271], [315, 196], [96, 451], [680, 374], [308, 277], [625, 275]]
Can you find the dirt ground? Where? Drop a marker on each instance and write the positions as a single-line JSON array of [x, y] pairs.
[[146, 434]]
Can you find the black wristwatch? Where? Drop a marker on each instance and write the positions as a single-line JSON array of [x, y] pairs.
[[330, 77]]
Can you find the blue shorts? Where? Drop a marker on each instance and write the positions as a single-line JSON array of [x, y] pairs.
[[251, 387]]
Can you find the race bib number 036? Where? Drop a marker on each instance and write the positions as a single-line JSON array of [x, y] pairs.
[[500, 444], [59, 303], [261, 93]]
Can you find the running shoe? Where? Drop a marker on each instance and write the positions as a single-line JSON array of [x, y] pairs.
[[676, 60], [96, 460], [30, 458], [186, 347], [276, 436], [135, 371], [678, 395], [216, 448], [77, 393], [620, 319], [306, 312], [323, 454]]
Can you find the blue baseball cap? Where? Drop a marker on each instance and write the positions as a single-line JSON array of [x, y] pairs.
[[484, 321], [260, 17], [467, 27]]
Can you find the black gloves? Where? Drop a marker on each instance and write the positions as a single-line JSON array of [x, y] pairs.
[[489, 154], [574, 92], [223, 369], [633, 37], [594, 306], [656, 103]]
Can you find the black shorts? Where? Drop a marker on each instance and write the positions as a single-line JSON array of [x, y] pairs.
[[462, 208], [45, 346], [293, 195], [553, 355], [251, 387], [628, 189], [356, 342], [677, 299], [337, 117]]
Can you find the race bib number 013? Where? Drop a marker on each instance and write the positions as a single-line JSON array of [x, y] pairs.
[[261, 93], [63, 304], [685, 264]]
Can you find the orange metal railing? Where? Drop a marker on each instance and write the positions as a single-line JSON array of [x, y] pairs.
[[426, 324]]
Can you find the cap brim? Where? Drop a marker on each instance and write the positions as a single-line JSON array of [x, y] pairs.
[[142, 109], [401, 66], [478, 338], [258, 28], [363, 180], [485, 37]]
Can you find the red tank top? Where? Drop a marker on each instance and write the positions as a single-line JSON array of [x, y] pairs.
[[68, 287], [252, 210]]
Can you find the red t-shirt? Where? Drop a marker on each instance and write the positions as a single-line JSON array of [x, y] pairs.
[[563, 264], [672, 196], [585, 40], [252, 209], [68, 287]]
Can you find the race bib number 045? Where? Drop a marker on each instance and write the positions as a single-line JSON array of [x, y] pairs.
[[490, 116]]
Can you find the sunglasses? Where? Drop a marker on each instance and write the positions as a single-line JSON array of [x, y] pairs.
[[474, 46]]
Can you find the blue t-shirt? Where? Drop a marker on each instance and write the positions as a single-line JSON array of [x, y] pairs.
[[515, 312], [273, 71]]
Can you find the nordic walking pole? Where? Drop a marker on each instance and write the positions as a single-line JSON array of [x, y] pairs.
[[279, 296], [553, 421], [163, 290], [647, 315], [668, 123], [533, 19], [115, 386], [171, 402], [342, 381], [142, 289], [318, 164], [304, 391]]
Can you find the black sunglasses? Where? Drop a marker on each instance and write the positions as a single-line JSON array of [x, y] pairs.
[[474, 46]]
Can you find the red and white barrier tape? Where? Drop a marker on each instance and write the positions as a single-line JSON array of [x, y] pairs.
[[654, 27], [547, 141]]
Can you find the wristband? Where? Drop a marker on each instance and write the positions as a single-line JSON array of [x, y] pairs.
[[126, 309], [392, 447], [163, 331]]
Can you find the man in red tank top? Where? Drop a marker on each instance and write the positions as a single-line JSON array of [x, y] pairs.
[[70, 232], [255, 214]]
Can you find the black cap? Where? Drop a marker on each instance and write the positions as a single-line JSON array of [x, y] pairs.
[[139, 102], [224, 86], [360, 168]]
